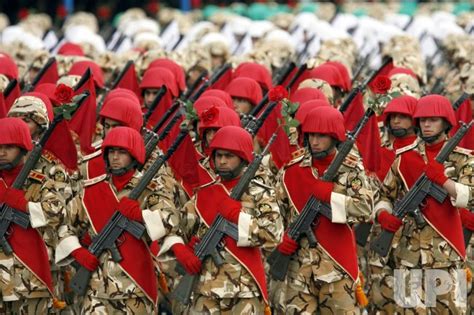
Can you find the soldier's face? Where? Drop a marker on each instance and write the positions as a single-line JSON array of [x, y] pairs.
[[226, 161], [149, 96], [242, 106], [33, 126], [110, 124], [119, 158], [319, 142], [431, 126], [8, 153], [400, 121]]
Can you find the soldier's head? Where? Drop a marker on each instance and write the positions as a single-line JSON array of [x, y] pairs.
[[153, 79], [245, 93], [211, 120], [257, 72], [15, 142], [123, 150], [434, 116], [231, 151], [121, 110], [35, 110], [323, 128], [398, 116], [80, 67]]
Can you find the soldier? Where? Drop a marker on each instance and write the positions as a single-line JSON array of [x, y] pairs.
[[131, 285], [238, 286], [245, 93], [400, 127], [439, 244], [323, 278], [28, 275]]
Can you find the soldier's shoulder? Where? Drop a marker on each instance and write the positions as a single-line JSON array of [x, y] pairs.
[[95, 180], [296, 160], [89, 157], [37, 176], [353, 161], [406, 148], [463, 151], [258, 182]]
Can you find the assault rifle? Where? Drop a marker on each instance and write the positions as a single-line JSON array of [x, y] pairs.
[[9, 215], [118, 223], [412, 200], [211, 241], [302, 225], [213, 79]]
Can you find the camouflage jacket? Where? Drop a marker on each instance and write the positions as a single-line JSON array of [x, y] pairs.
[[425, 247], [354, 189], [262, 227], [109, 281], [46, 206]]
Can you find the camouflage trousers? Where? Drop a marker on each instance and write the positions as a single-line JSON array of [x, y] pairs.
[[380, 293], [414, 290], [337, 298], [28, 306], [98, 306], [277, 295], [204, 305]]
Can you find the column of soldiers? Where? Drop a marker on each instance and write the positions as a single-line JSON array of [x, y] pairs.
[[167, 219]]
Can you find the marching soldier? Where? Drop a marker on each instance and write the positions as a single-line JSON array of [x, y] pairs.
[[401, 130], [439, 244], [129, 285], [238, 286], [28, 276], [323, 278]]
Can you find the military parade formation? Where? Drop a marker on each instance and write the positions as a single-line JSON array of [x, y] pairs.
[[250, 159]]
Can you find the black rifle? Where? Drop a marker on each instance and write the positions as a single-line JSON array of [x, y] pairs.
[[211, 241], [10, 215], [30, 86], [464, 96], [154, 104], [86, 76], [282, 73], [412, 200], [302, 225], [114, 85], [302, 53], [213, 79], [118, 223], [9, 88], [361, 87]]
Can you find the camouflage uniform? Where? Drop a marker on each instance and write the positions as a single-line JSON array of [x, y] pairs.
[[111, 290], [230, 288], [423, 248], [315, 281], [21, 290]]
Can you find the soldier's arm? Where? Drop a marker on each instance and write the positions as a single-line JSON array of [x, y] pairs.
[[262, 225], [390, 190], [461, 183], [52, 204], [352, 197], [159, 211], [70, 230]]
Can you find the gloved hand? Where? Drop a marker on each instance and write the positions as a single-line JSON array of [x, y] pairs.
[[288, 246], [86, 240], [15, 198], [389, 222], [231, 214], [192, 242], [85, 258], [435, 172], [186, 258], [322, 190], [131, 209], [467, 219]]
